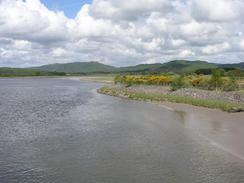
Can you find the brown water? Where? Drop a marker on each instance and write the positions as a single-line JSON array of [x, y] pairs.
[[61, 130]]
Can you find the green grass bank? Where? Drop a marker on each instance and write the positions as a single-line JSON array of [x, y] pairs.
[[128, 93]]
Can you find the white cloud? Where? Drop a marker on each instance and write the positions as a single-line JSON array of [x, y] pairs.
[[217, 48], [177, 42], [122, 10], [195, 28], [242, 44], [120, 33], [32, 21], [22, 45], [58, 52], [186, 53], [217, 10]]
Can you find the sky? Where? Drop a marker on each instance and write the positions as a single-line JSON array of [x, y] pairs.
[[69, 7], [119, 32]]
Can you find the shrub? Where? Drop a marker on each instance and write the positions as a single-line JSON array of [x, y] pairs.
[[196, 82], [216, 80], [153, 79], [177, 83], [230, 83]]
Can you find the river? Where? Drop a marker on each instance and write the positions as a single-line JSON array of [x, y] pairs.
[[60, 130]]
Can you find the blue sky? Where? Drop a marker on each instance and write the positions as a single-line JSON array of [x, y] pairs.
[[69, 7]]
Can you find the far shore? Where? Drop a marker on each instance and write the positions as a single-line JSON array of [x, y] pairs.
[[101, 79], [91, 78]]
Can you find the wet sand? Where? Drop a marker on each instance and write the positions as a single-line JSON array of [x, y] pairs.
[[226, 128]]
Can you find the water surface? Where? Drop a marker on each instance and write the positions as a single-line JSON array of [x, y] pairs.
[[61, 130]]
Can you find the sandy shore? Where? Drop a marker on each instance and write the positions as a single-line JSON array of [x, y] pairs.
[[206, 111], [222, 130]]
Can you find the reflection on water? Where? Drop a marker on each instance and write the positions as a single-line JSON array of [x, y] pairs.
[[222, 134], [216, 126], [61, 130], [191, 119], [182, 116]]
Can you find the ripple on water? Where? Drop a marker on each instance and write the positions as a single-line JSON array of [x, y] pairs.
[[61, 130]]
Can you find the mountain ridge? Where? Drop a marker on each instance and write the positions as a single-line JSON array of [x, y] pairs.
[[171, 66], [76, 67]]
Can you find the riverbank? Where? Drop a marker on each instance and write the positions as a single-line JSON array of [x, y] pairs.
[[226, 101]]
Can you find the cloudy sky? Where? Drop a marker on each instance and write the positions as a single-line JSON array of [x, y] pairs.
[[120, 32]]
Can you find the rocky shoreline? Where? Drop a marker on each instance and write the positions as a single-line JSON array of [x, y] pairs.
[[226, 101], [233, 96]]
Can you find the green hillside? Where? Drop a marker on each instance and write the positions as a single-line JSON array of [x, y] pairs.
[[177, 66], [77, 67], [184, 66], [140, 67]]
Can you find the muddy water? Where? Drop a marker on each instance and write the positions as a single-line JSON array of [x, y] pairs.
[[61, 130]]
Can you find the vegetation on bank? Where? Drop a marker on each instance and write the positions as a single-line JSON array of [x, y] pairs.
[[159, 97], [218, 80], [14, 72]]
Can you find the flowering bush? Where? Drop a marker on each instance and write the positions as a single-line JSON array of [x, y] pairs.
[[215, 82]]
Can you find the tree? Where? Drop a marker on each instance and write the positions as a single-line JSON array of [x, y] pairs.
[[237, 74], [216, 79]]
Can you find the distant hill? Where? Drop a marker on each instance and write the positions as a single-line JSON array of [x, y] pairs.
[[237, 65], [140, 67], [77, 67], [178, 66], [183, 66]]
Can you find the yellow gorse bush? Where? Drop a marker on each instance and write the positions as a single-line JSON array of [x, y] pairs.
[[196, 81], [154, 80]]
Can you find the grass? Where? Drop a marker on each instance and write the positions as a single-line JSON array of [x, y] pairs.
[[214, 104]]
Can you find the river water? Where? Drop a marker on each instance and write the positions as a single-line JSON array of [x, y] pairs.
[[62, 131]]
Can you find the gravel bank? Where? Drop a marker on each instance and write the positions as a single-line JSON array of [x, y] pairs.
[[226, 101], [233, 96]]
